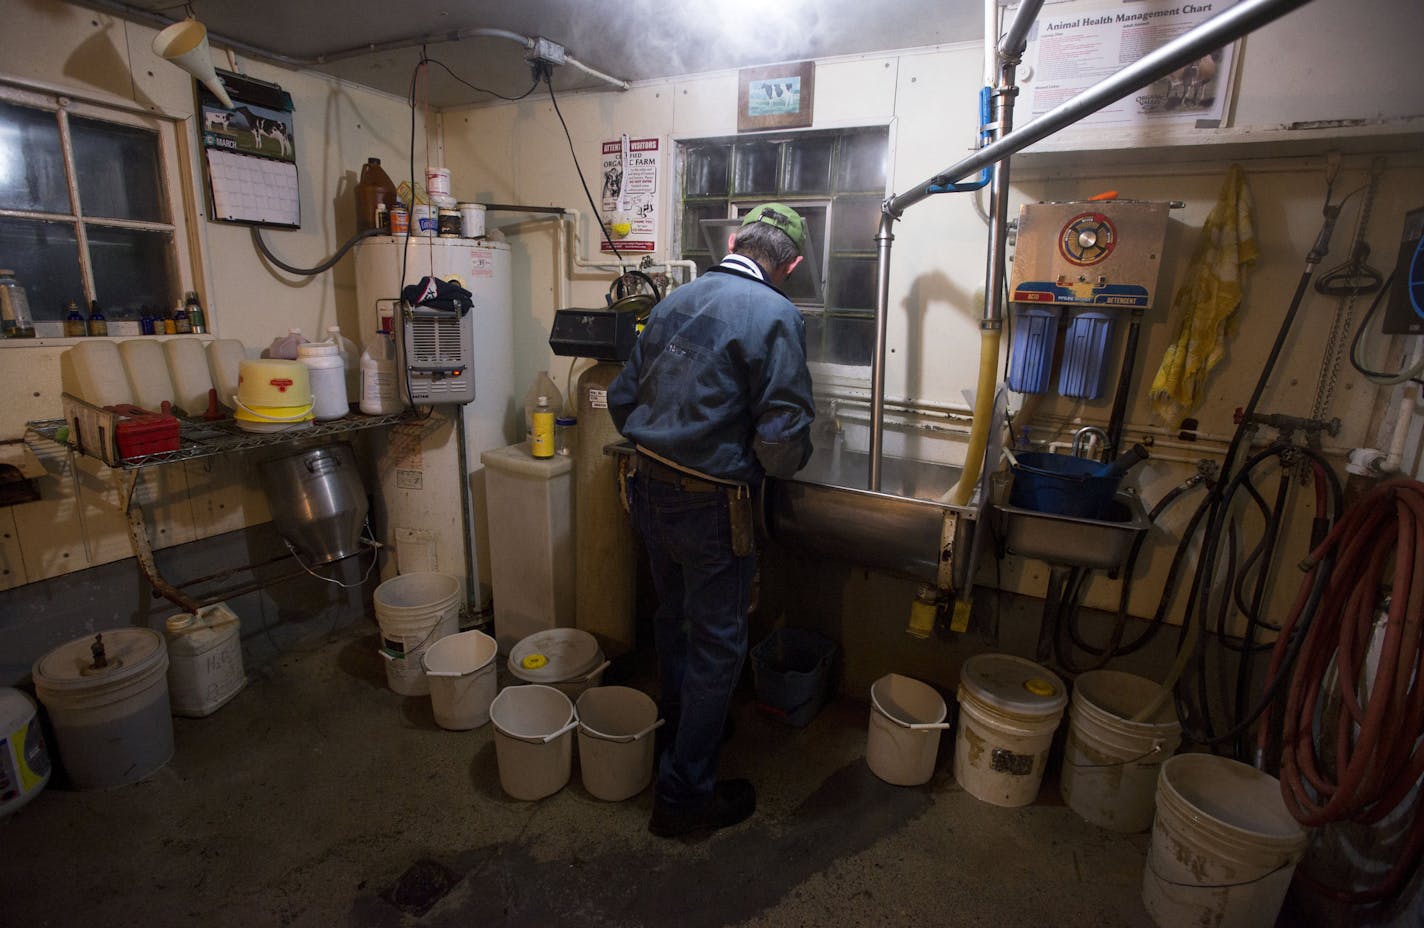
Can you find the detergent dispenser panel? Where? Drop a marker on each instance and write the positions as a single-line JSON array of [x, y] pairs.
[[1103, 253]]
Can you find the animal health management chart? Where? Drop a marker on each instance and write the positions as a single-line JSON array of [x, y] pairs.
[[1075, 46]]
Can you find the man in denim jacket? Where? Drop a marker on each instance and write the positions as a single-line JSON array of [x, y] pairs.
[[715, 395]]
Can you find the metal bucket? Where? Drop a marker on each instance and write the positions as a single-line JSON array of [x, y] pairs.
[[317, 500]]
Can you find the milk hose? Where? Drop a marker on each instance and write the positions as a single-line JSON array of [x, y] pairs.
[[1196, 718], [1212, 504], [1115, 647], [1377, 755], [321, 268], [1190, 633]]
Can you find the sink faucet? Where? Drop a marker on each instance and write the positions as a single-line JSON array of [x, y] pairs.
[[1082, 439]]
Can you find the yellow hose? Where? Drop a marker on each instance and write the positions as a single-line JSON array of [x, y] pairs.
[[960, 493]]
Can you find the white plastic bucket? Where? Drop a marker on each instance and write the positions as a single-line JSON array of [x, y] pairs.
[[1009, 709], [1111, 763], [568, 659], [615, 741], [24, 762], [533, 740], [414, 611], [461, 672], [1224, 847], [906, 719], [112, 723]]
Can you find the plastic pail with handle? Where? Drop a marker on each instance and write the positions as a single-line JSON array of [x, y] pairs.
[[1111, 762], [906, 718], [615, 742], [461, 671], [1009, 708], [107, 697], [533, 740], [1224, 846], [414, 611]]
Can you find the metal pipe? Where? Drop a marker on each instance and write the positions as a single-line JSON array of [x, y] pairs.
[[1226, 27], [1016, 39], [883, 238], [157, 20]]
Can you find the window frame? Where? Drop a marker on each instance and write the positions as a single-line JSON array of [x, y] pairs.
[[825, 200], [174, 153]]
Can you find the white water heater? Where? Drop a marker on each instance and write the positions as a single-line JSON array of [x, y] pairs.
[[431, 509]]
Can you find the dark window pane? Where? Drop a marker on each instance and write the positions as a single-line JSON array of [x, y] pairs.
[[862, 162], [855, 223], [756, 168], [706, 171], [849, 339], [807, 166], [692, 216], [31, 161], [131, 267], [45, 259], [815, 330], [852, 283], [117, 168]]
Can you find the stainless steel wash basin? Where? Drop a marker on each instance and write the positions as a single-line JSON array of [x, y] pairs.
[[1074, 541], [825, 509]]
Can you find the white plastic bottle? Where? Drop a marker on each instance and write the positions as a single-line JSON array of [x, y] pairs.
[[328, 379], [379, 392], [350, 356]]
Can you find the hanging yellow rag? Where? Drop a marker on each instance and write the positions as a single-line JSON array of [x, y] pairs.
[[1205, 305]]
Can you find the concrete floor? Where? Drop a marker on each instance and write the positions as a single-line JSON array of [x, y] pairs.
[[318, 797]]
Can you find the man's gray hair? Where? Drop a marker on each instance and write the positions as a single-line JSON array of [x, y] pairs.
[[766, 245]]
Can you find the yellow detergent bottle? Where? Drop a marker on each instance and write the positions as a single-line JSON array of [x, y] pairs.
[[542, 438]]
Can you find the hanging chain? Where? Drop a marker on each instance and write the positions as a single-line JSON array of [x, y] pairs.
[[1345, 309]]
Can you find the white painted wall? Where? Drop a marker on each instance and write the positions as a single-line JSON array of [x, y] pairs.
[[338, 126], [516, 153]]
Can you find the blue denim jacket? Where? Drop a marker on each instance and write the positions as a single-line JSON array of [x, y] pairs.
[[717, 381]]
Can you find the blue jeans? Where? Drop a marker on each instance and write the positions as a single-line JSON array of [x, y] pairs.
[[700, 627]]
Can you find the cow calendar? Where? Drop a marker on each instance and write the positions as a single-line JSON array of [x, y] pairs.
[[249, 154]]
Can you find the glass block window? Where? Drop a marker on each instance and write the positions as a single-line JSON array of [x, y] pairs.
[[837, 181], [88, 207]]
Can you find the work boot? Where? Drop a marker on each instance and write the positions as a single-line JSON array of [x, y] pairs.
[[731, 802]]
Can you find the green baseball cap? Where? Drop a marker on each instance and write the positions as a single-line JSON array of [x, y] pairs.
[[782, 217]]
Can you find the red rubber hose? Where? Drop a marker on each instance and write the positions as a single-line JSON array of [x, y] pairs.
[[1376, 758]]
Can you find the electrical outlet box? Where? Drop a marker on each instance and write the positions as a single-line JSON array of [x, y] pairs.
[[546, 50]]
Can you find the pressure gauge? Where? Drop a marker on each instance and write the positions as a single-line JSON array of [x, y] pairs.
[[1087, 239]]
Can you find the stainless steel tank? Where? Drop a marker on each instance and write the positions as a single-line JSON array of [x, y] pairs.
[[318, 501]]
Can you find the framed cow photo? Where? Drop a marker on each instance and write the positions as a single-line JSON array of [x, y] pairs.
[[776, 97], [249, 154]]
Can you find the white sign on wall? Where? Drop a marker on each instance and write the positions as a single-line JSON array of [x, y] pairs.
[[628, 206], [1074, 46]]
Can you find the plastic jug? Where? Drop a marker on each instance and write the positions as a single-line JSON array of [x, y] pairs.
[[15, 318], [543, 386], [350, 358], [379, 394], [374, 187], [328, 379], [188, 368], [285, 347]]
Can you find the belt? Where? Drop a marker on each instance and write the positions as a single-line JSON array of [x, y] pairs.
[[657, 470]]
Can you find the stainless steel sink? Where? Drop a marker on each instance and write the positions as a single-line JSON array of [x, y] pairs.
[[1074, 541], [898, 529]]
